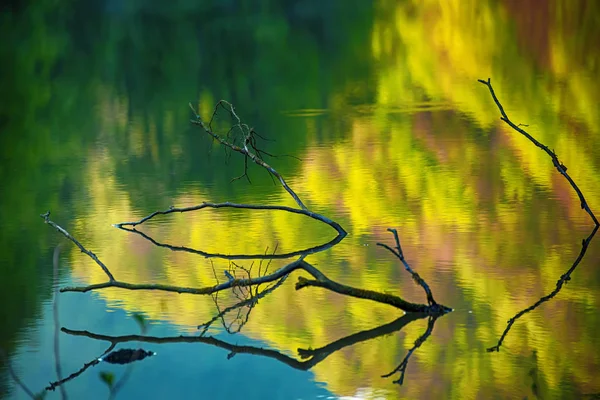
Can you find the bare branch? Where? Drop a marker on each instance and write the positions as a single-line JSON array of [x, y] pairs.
[[244, 150], [341, 232], [584, 205], [320, 280], [249, 303], [416, 277], [559, 165], [389, 299], [299, 263], [66, 234], [53, 385]]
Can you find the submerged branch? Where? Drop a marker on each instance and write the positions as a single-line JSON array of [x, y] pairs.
[[320, 280]]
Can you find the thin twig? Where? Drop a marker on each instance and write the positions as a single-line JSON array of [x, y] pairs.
[[559, 165], [54, 385], [245, 151], [416, 277], [66, 234], [228, 204], [250, 303]]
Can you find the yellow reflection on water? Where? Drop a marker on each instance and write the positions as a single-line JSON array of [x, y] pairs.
[[481, 212]]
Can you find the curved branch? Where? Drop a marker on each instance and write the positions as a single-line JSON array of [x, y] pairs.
[[559, 166], [341, 233], [584, 205], [258, 256], [46, 217], [416, 277], [204, 290]]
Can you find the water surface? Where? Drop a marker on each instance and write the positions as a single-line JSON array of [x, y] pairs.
[[381, 105]]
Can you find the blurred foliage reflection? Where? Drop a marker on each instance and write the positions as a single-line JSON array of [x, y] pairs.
[[382, 104]]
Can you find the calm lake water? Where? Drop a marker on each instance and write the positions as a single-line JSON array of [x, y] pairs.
[[380, 107]]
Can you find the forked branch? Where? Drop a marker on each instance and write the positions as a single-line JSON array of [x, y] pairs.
[[248, 148], [397, 251]]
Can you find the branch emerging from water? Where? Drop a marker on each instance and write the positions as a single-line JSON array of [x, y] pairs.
[[66, 234], [566, 277], [584, 205], [397, 251], [559, 165], [321, 280], [248, 148]]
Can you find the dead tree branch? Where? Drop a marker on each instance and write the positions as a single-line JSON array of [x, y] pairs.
[[559, 165], [397, 251], [320, 280], [258, 256], [584, 205], [66, 234], [246, 148], [53, 385]]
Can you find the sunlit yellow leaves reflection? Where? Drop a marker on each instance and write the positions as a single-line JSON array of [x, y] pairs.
[[483, 215]]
